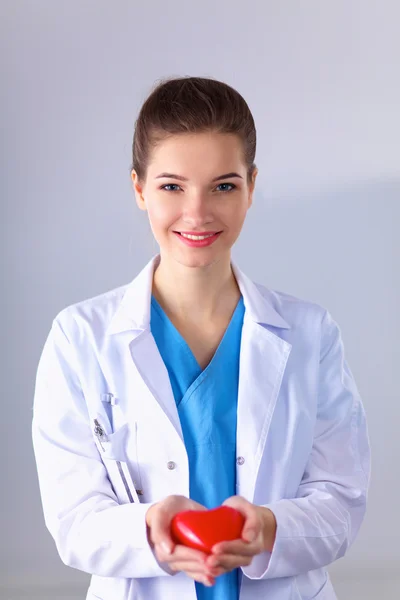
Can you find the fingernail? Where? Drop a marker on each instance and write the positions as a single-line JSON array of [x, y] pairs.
[[250, 535], [212, 561], [166, 547]]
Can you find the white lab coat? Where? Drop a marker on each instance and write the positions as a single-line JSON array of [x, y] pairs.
[[301, 431]]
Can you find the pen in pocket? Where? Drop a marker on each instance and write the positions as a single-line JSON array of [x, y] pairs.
[[129, 485], [100, 433]]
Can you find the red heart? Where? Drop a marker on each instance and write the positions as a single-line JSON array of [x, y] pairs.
[[201, 529]]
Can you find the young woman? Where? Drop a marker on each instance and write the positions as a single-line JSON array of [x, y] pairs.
[[194, 386]]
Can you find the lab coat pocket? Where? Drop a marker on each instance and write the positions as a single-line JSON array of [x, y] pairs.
[[113, 452], [115, 444]]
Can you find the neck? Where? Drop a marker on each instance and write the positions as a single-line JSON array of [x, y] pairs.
[[195, 293]]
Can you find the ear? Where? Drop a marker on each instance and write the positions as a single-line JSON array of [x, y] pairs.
[[140, 201], [252, 186]]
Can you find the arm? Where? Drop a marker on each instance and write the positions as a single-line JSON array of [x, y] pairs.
[[320, 524], [92, 531]]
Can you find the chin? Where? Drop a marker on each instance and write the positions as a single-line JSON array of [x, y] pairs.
[[193, 263], [199, 259]]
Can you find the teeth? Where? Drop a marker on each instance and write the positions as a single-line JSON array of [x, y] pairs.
[[196, 237]]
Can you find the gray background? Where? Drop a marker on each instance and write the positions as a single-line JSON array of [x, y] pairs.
[[322, 80]]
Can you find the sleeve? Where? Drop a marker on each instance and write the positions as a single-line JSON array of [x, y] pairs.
[[320, 524], [92, 531]]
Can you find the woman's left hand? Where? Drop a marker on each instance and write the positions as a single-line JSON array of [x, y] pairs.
[[258, 536]]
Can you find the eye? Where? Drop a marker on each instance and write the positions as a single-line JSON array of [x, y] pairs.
[[163, 187], [231, 184], [175, 185]]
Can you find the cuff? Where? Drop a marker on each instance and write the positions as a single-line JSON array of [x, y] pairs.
[[127, 525], [163, 565], [260, 564]]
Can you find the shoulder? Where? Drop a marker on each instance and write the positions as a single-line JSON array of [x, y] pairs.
[[295, 310], [92, 314], [312, 325]]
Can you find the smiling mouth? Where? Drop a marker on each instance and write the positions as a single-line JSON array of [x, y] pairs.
[[197, 236], [198, 240], [189, 236]]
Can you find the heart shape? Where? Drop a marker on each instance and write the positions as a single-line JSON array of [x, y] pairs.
[[201, 529]]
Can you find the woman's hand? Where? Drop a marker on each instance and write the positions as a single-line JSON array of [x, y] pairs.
[[176, 556], [258, 536]]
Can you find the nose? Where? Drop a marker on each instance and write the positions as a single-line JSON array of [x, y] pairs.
[[197, 210]]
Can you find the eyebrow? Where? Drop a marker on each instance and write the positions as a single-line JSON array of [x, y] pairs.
[[172, 176]]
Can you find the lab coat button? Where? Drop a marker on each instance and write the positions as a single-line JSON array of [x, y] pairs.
[[240, 460], [171, 465]]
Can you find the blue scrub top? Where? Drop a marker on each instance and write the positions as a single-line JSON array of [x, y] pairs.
[[207, 407]]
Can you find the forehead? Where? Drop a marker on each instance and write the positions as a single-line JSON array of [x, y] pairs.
[[199, 152]]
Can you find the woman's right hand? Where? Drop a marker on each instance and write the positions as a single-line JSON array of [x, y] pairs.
[[177, 556]]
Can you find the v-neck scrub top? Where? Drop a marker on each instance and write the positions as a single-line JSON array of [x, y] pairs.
[[207, 407]]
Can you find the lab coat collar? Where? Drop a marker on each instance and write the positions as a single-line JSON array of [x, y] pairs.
[[134, 311]]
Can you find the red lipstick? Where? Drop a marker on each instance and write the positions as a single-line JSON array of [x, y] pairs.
[[207, 241]]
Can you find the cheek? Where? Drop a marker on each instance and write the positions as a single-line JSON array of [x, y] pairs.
[[162, 215], [235, 216]]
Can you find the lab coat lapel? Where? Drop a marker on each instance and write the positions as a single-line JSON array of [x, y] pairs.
[[263, 359], [130, 328]]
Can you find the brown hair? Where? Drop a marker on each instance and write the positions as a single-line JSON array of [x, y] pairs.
[[192, 105]]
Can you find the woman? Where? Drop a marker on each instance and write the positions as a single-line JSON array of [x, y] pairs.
[[193, 387]]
